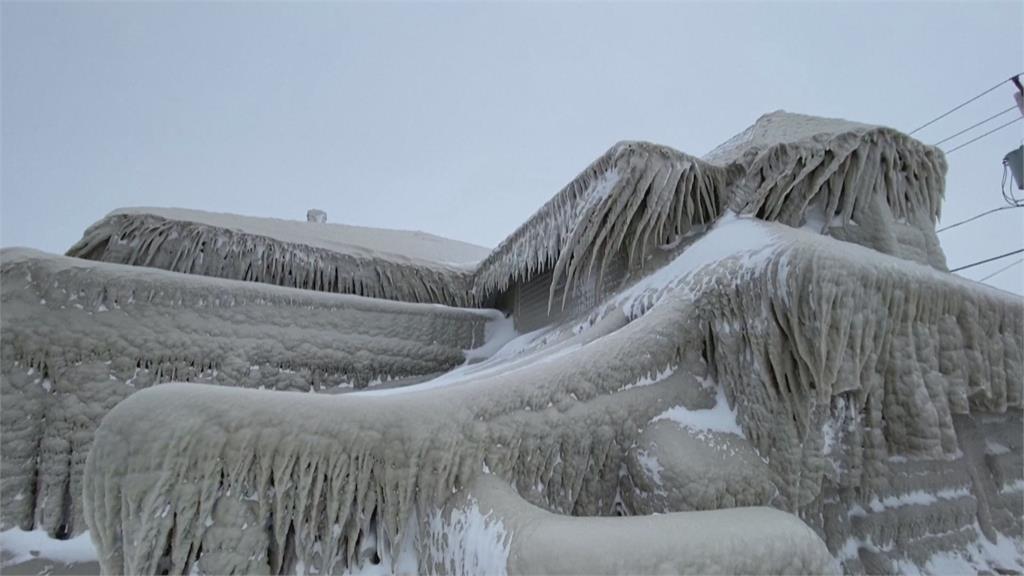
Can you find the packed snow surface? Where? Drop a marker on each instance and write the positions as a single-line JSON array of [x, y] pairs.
[[721, 418], [741, 242], [779, 127], [19, 546]]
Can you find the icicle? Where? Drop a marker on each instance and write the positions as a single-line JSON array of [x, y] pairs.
[[792, 337], [152, 241], [851, 175], [630, 191], [159, 326]]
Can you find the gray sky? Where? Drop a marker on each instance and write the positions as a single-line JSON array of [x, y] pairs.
[[462, 119]]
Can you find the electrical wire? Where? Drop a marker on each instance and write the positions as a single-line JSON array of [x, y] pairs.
[[975, 217], [992, 131], [973, 126], [1001, 270], [941, 116], [987, 260]]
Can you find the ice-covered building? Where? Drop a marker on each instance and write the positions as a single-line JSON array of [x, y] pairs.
[[754, 361]]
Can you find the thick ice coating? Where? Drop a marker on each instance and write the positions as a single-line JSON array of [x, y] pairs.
[[786, 379], [635, 193], [391, 264], [80, 336], [560, 427]]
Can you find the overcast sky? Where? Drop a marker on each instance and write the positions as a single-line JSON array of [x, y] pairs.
[[462, 119]]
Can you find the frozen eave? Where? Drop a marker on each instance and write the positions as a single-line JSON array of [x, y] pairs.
[[634, 194], [410, 245], [779, 127], [389, 264]]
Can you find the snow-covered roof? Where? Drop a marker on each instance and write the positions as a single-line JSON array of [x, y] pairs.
[[865, 184], [379, 263], [779, 127], [633, 191], [635, 196], [775, 169], [411, 245]]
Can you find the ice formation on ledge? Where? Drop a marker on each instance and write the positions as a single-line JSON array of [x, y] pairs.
[[79, 336], [864, 184], [785, 379], [391, 264], [645, 190]]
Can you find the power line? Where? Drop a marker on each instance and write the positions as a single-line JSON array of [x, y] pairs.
[[941, 116], [1001, 270], [992, 131], [987, 260], [973, 126], [975, 217]]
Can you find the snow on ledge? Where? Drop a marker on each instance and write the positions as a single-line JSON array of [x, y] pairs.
[[749, 240], [20, 546], [720, 418]]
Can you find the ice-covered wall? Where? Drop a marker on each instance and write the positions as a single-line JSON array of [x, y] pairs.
[[847, 369], [833, 358], [907, 345], [390, 264], [80, 336]]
